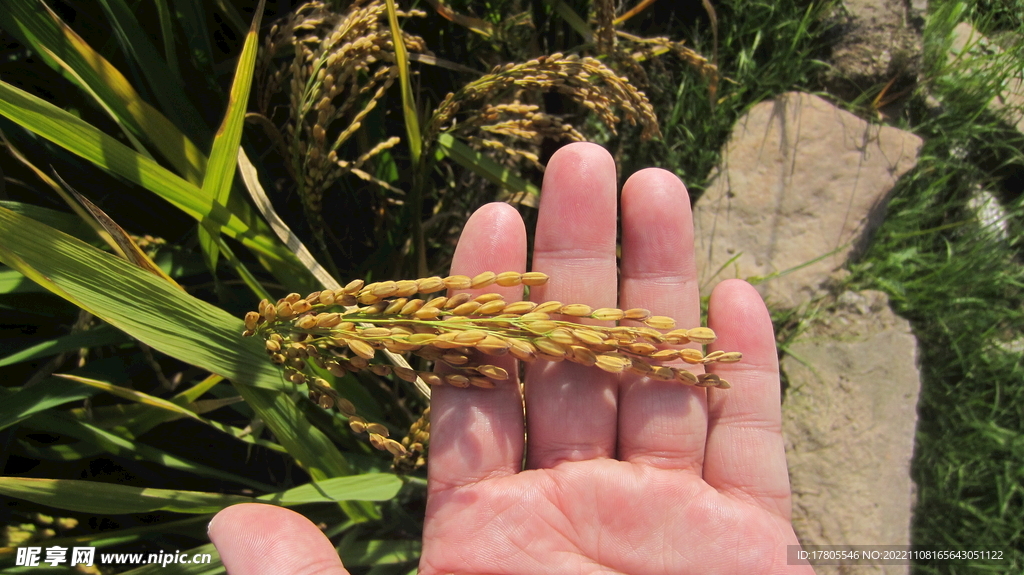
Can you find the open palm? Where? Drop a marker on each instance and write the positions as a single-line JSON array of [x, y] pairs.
[[623, 474]]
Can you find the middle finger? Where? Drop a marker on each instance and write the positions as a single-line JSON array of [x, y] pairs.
[[571, 409]]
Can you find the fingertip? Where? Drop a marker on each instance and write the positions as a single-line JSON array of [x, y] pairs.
[[494, 237], [258, 539], [580, 151], [657, 178], [742, 323]]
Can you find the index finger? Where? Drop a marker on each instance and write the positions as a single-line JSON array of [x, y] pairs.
[[477, 433]]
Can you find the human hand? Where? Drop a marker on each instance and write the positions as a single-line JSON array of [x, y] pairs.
[[623, 474]]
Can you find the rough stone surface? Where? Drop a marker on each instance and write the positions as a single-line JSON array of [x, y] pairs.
[[968, 44], [878, 42], [801, 181], [849, 417]]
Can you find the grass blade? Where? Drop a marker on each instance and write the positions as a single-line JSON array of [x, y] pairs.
[[19, 405], [176, 410], [113, 499], [65, 424], [518, 189], [65, 51], [220, 169], [237, 220], [97, 337], [307, 444], [135, 43], [365, 487], [135, 301], [409, 110]]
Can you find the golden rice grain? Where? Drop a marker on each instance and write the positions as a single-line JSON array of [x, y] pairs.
[[583, 355], [457, 300], [411, 307], [691, 355], [493, 346], [576, 310], [467, 308], [660, 322], [491, 308], [431, 378], [456, 379], [406, 288], [430, 285], [701, 335], [548, 307], [686, 377], [488, 297], [483, 280], [427, 312], [509, 279], [521, 308], [470, 337], [251, 318], [611, 363], [352, 288], [534, 279], [492, 371], [482, 382], [608, 314], [730, 357], [395, 306], [636, 314], [361, 348], [458, 282]]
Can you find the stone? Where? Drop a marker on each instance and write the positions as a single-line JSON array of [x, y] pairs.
[[971, 53], [801, 185], [990, 213], [849, 416], [878, 41]]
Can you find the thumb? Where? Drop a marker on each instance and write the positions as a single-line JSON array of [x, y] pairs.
[[259, 539]]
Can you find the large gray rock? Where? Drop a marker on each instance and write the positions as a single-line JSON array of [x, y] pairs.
[[877, 42], [801, 183], [849, 418], [971, 53]]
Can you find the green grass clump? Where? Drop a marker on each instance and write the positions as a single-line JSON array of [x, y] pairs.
[[763, 49], [958, 276]]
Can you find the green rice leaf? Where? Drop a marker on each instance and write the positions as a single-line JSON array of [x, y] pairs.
[[18, 406], [65, 424], [135, 43], [116, 499], [220, 169], [113, 499], [136, 302], [482, 165], [365, 487], [307, 444], [409, 110], [158, 403], [97, 337], [380, 552], [63, 221], [237, 220], [65, 51], [11, 281]]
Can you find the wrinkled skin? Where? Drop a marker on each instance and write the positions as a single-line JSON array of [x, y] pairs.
[[623, 474]]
